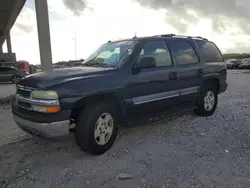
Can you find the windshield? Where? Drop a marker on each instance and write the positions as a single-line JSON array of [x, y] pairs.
[[111, 54]]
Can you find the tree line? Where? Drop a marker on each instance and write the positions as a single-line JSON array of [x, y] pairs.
[[236, 56]]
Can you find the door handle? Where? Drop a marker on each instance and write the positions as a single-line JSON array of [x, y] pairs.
[[173, 76], [200, 72]]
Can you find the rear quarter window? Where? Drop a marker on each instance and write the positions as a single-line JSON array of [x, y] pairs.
[[4, 69], [209, 51]]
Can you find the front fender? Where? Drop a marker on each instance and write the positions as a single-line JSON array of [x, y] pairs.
[[70, 101]]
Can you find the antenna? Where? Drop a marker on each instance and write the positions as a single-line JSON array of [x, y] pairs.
[[75, 46], [135, 36]]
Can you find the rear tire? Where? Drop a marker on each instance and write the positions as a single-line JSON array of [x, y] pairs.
[[15, 79], [207, 103], [96, 128]]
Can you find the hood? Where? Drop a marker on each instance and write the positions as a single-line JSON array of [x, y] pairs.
[[47, 79]]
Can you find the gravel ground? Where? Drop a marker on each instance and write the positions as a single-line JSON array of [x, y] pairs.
[[183, 151], [7, 89], [9, 132]]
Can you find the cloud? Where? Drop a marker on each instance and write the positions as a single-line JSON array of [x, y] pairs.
[[24, 27], [106, 22], [235, 11], [26, 20], [24, 36], [76, 6], [180, 18]]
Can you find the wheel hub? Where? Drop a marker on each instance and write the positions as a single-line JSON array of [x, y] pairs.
[[104, 128], [209, 100], [15, 79]]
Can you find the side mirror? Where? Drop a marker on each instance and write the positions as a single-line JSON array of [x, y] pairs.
[[146, 62]]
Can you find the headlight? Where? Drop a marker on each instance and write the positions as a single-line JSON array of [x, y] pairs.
[[36, 94]]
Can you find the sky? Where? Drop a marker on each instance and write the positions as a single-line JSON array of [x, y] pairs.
[[94, 22]]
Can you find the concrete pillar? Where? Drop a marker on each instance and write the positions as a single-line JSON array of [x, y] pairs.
[[8, 42], [42, 17]]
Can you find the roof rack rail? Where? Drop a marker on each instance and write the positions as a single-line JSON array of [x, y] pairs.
[[198, 37], [165, 35], [184, 36]]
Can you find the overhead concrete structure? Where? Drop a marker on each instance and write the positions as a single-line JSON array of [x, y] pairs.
[[9, 11]]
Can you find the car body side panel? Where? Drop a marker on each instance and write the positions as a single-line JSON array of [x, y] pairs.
[[214, 70], [190, 80], [5, 75], [114, 83], [151, 88]]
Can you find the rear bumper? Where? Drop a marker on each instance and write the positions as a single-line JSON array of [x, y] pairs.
[[47, 130], [223, 87]]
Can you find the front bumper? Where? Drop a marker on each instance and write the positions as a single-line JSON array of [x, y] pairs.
[[223, 87], [45, 125], [47, 130]]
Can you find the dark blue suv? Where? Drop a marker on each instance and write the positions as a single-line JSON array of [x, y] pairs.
[[121, 80]]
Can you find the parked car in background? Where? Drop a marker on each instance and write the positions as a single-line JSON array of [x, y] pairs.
[[245, 60], [12, 74], [122, 80], [233, 63], [229, 64], [245, 64]]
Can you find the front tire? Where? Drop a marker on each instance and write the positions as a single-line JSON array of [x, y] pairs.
[[207, 103], [96, 128]]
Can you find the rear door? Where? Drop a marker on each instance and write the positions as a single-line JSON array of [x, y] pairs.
[[152, 88], [189, 67]]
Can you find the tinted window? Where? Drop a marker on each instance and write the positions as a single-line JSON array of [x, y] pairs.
[[183, 53], [245, 60], [3, 69], [157, 50], [209, 51]]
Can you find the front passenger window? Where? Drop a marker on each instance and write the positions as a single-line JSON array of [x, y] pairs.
[[159, 51]]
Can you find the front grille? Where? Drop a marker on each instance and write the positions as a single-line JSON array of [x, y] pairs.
[[24, 92], [24, 105]]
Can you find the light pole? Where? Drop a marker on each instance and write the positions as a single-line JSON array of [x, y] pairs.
[[75, 46]]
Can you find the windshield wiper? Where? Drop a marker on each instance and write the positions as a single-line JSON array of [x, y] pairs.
[[95, 64]]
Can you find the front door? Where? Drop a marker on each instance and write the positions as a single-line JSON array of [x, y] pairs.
[[189, 68], [153, 88]]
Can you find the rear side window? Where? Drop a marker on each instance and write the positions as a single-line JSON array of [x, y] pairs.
[[209, 51], [183, 53], [4, 69]]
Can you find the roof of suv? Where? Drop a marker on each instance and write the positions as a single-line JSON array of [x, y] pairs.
[[162, 36]]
